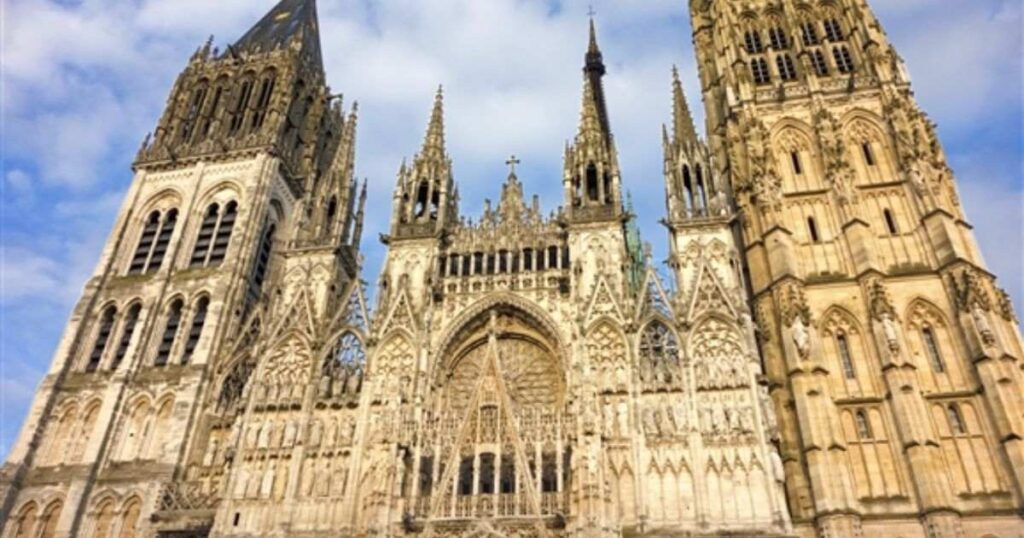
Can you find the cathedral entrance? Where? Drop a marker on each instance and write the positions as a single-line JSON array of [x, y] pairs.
[[495, 446]]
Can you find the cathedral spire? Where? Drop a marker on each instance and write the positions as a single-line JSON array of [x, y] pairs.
[[682, 119], [595, 70], [433, 142], [290, 21]]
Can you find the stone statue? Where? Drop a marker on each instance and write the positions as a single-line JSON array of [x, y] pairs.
[[801, 337], [981, 323], [891, 332]]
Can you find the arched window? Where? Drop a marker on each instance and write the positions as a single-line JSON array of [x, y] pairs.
[[549, 473], [48, 523], [794, 159], [104, 520], [659, 350], [195, 107], [163, 353], [702, 193], [845, 357], [553, 257], [130, 519], [812, 229], [263, 101], [241, 104], [759, 70], [687, 189], [810, 34], [778, 38], [206, 124], [833, 30], [787, 69], [25, 524], [956, 420], [890, 222], [869, 154], [127, 330], [99, 347], [195, 331], [262, 261], [844, 61], [592, 188], [819, 62], [154, 242], [863, 426], [931, 346], [214, 235], [752, 42]]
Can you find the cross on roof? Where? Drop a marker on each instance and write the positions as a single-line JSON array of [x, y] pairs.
[[590, 11], [512, 162]]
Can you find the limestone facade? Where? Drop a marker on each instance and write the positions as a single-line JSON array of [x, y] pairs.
[[826, 356]]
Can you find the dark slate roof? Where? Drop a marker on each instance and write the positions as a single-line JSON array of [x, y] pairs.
[[276, 29]]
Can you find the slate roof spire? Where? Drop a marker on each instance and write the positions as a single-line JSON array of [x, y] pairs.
[[289, 20]]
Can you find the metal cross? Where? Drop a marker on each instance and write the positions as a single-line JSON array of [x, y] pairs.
[[512, 162], [590, 11]]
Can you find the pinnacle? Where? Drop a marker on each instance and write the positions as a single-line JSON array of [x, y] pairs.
[[434, 141], [682, 120], [589, 119]]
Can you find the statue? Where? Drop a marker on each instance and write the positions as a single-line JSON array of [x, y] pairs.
[[982, 325], [891, 332], [801, 337]]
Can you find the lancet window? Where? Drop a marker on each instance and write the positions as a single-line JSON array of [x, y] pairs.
[[266, 91], [170, 334], [241, 105], [195, 108], [154, 242], [214, 235], [195, 331], [131, 319], [99, 348]]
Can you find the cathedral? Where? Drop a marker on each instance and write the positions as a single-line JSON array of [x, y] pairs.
[[827, 356]]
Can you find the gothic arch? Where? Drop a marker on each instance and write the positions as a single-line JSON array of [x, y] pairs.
[[49, 519], [223, 191], [797, 155], [167, 198], [608, 355], [507, 300], [716, 349], [25, 521]]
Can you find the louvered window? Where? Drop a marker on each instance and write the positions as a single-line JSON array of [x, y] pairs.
[[102, 337], [211, 113], [932, 348], [214, 235], [154, 242], [195, 107], [163, 353], [223, 235], [130, 321], [195, 331], [163, 240]]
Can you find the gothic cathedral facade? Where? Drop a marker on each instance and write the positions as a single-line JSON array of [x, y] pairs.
[[828, 356]]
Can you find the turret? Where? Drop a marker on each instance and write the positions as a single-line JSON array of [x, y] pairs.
[[424, 201]]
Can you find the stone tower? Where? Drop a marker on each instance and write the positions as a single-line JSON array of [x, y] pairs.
[[892, 356], [245, 187]]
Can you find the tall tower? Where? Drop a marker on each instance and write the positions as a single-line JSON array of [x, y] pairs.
[[245, 185], [893, 358]]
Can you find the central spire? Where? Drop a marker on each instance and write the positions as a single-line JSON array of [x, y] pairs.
[[595, 70]]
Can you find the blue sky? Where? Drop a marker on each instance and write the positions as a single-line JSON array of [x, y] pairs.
[[84, 80]]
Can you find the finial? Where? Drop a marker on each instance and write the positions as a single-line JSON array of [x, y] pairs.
[[592, 48]]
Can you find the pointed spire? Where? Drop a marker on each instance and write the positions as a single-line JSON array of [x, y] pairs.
[[590, 121], [289, 20], [594, 70], [682, 120], [433, 143]]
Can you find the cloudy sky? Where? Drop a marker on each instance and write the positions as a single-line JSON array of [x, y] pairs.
[[84, 80]]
